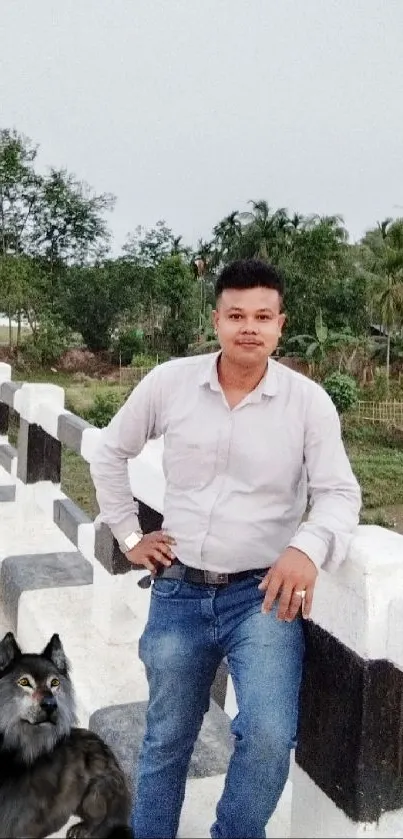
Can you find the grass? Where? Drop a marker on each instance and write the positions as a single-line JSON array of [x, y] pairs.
[[76, 482], [376, 455], [5, 335]]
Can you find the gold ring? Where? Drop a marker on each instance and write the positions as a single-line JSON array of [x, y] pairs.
[[301, 593]]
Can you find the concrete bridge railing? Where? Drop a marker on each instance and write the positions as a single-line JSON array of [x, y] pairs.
[[347, 779]]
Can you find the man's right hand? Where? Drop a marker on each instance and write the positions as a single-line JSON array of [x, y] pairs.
[[153, 550]]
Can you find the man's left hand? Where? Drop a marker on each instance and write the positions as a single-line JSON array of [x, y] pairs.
[[292, 572]]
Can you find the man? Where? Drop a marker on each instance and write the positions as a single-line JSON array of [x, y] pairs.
[[246, 440]]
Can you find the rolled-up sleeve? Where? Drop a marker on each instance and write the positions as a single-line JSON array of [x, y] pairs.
[[124, 438], [333, 491]]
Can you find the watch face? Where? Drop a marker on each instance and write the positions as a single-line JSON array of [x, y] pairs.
[[132, 541]]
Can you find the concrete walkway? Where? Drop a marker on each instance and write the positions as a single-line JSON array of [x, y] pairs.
[[104, 674]]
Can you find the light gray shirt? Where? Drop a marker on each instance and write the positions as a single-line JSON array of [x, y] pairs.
[[237, 481]]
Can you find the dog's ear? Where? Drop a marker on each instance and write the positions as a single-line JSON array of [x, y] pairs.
[[54, 652], [9, 650]]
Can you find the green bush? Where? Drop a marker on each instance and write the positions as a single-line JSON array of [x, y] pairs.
[[104, 407], [125, 345], [144, 360], [342, 389], [46, 345]]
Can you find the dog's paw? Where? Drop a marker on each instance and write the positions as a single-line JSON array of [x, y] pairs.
[[78, 831]]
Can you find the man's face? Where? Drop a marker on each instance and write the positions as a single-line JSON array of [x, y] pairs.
[[248, 324]]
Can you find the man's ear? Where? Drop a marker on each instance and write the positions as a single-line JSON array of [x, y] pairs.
[[281, 321], [9, 651]]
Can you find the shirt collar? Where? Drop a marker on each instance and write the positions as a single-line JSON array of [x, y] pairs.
[[268, 385]]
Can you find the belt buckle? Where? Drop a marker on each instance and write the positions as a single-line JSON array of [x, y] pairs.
[[214, 579]]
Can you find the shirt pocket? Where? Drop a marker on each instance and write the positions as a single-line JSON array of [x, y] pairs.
[[189, 464]]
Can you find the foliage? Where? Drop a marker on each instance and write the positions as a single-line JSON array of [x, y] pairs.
[[382, 256], [126, 344], [55, 267], [91, 301], [45, 346], [104, 407], [144, 360], [54, 216], [177, 292], [343, 390]]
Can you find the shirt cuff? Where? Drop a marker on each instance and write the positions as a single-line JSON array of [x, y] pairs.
[[311, 545], [123, 529]]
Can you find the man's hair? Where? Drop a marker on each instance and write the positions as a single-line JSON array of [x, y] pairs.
[[249, 273]]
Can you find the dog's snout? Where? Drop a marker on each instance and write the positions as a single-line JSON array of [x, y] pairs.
[[48, 703]]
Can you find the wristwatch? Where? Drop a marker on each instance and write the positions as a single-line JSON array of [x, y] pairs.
[[131, 541]]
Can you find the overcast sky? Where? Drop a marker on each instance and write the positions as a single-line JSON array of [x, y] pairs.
[[185, 109]]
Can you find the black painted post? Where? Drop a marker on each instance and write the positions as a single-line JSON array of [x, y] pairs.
[[39, 454], [348, 777], [4, 418]]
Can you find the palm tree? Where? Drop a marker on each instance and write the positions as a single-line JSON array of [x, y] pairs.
[[265, 233], [383, 251], [202, 264], [227, 234]]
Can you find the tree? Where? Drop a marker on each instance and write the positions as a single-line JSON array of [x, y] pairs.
[[23, 292], [148, 247], [203, 264], [383, 255], [46, 223], [18, 197], [70, 227], [144, 251], [177, 289], [265, 233], [19, 192], [227, 234], [91, 301], [319, 273]]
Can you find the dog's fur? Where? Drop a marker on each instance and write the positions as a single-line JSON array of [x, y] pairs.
[[49, 770]]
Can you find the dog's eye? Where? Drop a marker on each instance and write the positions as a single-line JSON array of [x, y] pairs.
[[24, 682], [55, 683]]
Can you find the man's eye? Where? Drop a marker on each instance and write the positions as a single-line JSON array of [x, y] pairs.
[[24, 682], [55, 683]]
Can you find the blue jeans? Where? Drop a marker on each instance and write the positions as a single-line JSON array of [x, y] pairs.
[[189, 631]]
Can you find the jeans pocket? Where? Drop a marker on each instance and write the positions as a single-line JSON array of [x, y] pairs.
[[164, 587]]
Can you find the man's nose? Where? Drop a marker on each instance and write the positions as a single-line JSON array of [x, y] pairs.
[[249, 326]]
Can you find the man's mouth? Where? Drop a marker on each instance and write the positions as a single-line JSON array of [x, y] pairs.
[[249, 343]]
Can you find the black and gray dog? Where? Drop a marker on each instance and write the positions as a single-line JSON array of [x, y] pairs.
[[49, 770]]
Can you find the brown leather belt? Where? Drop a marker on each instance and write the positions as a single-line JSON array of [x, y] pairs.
[[197, 576]]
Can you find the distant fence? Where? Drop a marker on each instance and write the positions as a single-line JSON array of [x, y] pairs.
[[389, 412]]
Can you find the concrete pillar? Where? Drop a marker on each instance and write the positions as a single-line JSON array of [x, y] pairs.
[[39, 452], [5, 376], [348, 777]]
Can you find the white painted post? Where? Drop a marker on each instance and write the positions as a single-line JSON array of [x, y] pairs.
[[348, 777], [5, 372], [38, 468]]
